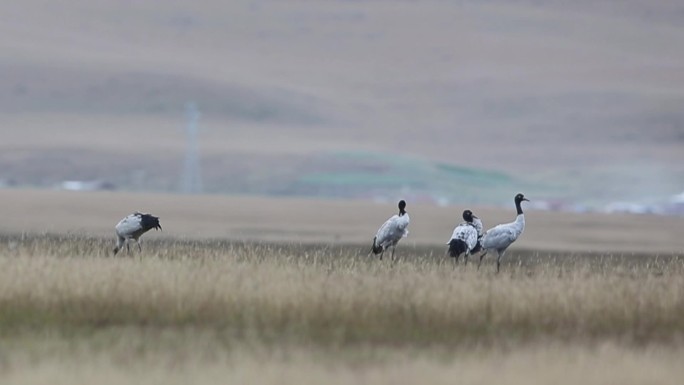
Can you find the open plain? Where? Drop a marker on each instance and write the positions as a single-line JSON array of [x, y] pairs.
[[576, 104], [206, 303]]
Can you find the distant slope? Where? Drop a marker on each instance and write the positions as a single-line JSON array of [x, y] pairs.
[[582, 99]]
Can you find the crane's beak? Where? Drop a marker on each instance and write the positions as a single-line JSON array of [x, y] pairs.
[[525, 199]]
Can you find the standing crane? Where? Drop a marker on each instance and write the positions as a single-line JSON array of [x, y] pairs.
[[499, 237], [391, 232], [465, 237]]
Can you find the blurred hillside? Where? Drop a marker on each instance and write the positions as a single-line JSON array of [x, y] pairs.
[[453, 101]]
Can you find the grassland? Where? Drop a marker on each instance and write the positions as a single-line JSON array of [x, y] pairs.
[[326, 295], [284, 313]]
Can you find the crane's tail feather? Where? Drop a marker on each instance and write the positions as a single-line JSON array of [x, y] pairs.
[[376, 249], [457, 247]]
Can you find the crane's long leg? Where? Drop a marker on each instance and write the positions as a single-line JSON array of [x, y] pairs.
[[481, 257], [382, 253], [139, 246], [128, 246], [498, 260], [393, 248], [465, 259]]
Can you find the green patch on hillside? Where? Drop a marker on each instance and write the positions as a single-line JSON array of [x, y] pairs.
[[354, 174], [358, 179], [474, 176]]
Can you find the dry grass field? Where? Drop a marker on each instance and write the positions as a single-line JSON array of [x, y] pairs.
[[215, 307], [210, 311]]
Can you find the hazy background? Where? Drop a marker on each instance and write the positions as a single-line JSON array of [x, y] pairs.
[[578, 104]]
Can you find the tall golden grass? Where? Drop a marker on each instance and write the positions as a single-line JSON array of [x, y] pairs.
[[262, 312], [337, 295]]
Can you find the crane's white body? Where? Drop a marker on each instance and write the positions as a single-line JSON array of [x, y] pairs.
[[466, 232], [391, 232], [499, 237]]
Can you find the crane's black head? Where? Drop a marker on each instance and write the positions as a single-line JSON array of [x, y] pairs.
[[402, 207], [520, 197], [468, 216]]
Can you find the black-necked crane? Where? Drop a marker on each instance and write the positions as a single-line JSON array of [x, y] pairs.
[[391, 232], [464, 239], [132, 227], [501, 236]]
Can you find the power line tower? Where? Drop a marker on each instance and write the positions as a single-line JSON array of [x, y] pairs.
[[192, 173]]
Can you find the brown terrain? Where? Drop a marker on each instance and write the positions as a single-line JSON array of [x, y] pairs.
[[313, 221]]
